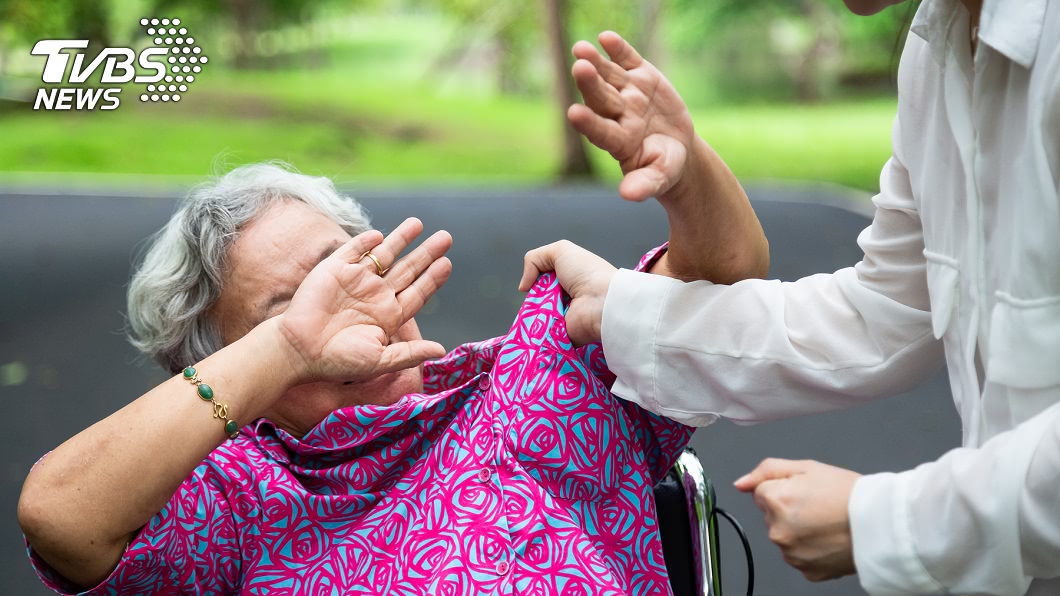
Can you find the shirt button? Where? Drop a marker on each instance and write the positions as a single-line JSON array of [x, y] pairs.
[[502, 567], [484, 475], [484, 383]]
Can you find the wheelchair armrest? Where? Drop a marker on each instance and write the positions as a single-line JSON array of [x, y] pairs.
[[684, 500]]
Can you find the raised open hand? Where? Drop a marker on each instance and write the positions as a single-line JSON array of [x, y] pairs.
[[342, 319], [634, 113]]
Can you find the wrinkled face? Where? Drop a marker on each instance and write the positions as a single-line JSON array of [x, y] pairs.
[[266, 264], [868, 7]]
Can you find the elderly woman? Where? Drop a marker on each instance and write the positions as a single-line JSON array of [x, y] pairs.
[[303, 447]]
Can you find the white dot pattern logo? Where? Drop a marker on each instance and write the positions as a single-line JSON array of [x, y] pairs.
[[182, 51]]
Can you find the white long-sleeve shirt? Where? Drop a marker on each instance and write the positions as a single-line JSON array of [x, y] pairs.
[[961, 265]]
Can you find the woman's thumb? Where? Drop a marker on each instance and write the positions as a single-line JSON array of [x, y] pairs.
[[769, 469]]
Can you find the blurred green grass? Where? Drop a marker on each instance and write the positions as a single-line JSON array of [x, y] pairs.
[[373, 113]]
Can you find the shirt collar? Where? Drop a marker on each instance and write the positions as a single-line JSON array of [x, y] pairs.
[[932, 23], [1012, 27]]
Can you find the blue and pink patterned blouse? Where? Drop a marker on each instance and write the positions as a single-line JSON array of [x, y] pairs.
[[517, 472]]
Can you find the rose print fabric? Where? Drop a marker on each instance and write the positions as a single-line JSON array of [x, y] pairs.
[[517, 472]]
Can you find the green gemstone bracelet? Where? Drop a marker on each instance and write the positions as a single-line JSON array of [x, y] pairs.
[[219, 410]]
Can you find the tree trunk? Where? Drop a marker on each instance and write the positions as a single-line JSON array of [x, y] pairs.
[[509, 81], [249, 17], [648, 44], [575, 160], [808, 74], [90, 22]]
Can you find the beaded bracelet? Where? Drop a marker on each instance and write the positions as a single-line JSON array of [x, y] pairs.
[[219, 410]]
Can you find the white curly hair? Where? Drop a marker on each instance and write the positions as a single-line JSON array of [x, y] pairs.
[[181, 275]]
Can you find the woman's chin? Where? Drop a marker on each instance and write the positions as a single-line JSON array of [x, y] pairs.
[[383, 390], [866, 8], [304, 406]]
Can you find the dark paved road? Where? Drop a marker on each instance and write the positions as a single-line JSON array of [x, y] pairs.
[[64, 262]]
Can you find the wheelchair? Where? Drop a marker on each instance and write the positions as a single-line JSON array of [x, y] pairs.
[[688, 524]]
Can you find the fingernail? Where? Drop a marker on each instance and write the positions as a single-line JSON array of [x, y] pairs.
[[741, 479]]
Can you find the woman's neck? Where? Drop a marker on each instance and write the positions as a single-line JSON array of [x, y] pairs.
[[974, 7]]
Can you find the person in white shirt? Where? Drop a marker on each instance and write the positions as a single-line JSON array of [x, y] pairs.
[[961, 266]]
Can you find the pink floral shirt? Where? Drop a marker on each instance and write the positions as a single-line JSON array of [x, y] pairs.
[[517, 472]]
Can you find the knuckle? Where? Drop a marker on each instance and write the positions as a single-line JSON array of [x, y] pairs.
[[813, 574], [764, 491], [764, 501], [781, 537], [759, 500]]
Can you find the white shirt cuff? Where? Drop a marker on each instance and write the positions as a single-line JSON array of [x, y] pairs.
[[881, 531], [632, 309]]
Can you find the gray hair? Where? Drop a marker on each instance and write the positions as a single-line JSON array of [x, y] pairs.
[[182, 272]]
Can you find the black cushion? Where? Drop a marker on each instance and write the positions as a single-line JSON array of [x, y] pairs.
[[676, 531]]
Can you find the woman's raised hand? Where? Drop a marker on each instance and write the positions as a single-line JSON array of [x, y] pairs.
[[341, 323], [634, 113]]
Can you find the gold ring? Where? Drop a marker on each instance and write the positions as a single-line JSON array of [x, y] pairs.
[[378, 265]]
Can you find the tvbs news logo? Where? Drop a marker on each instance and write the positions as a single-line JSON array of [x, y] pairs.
[[167, 67]]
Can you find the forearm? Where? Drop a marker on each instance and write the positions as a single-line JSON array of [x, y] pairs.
[[977, 520], [697, 351], [83, 502], [714, 233]]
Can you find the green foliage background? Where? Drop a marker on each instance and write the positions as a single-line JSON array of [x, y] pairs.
[[452, 91]]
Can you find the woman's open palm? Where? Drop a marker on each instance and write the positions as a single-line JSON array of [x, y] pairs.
[[633, 112], [342, 320]]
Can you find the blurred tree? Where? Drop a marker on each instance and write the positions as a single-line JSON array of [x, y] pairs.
[[90, 19], [872, 46], [816, 45], [28, 21], [76, 19], [806, 32], [513, 33], [647, 41], [247, 18], [509, 27], [575, 162]]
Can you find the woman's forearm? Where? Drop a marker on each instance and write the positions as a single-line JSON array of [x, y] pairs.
[[82, 503], [714, 233]]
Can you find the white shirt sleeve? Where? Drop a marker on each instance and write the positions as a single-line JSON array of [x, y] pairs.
[[760, 350], [976, 521]]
